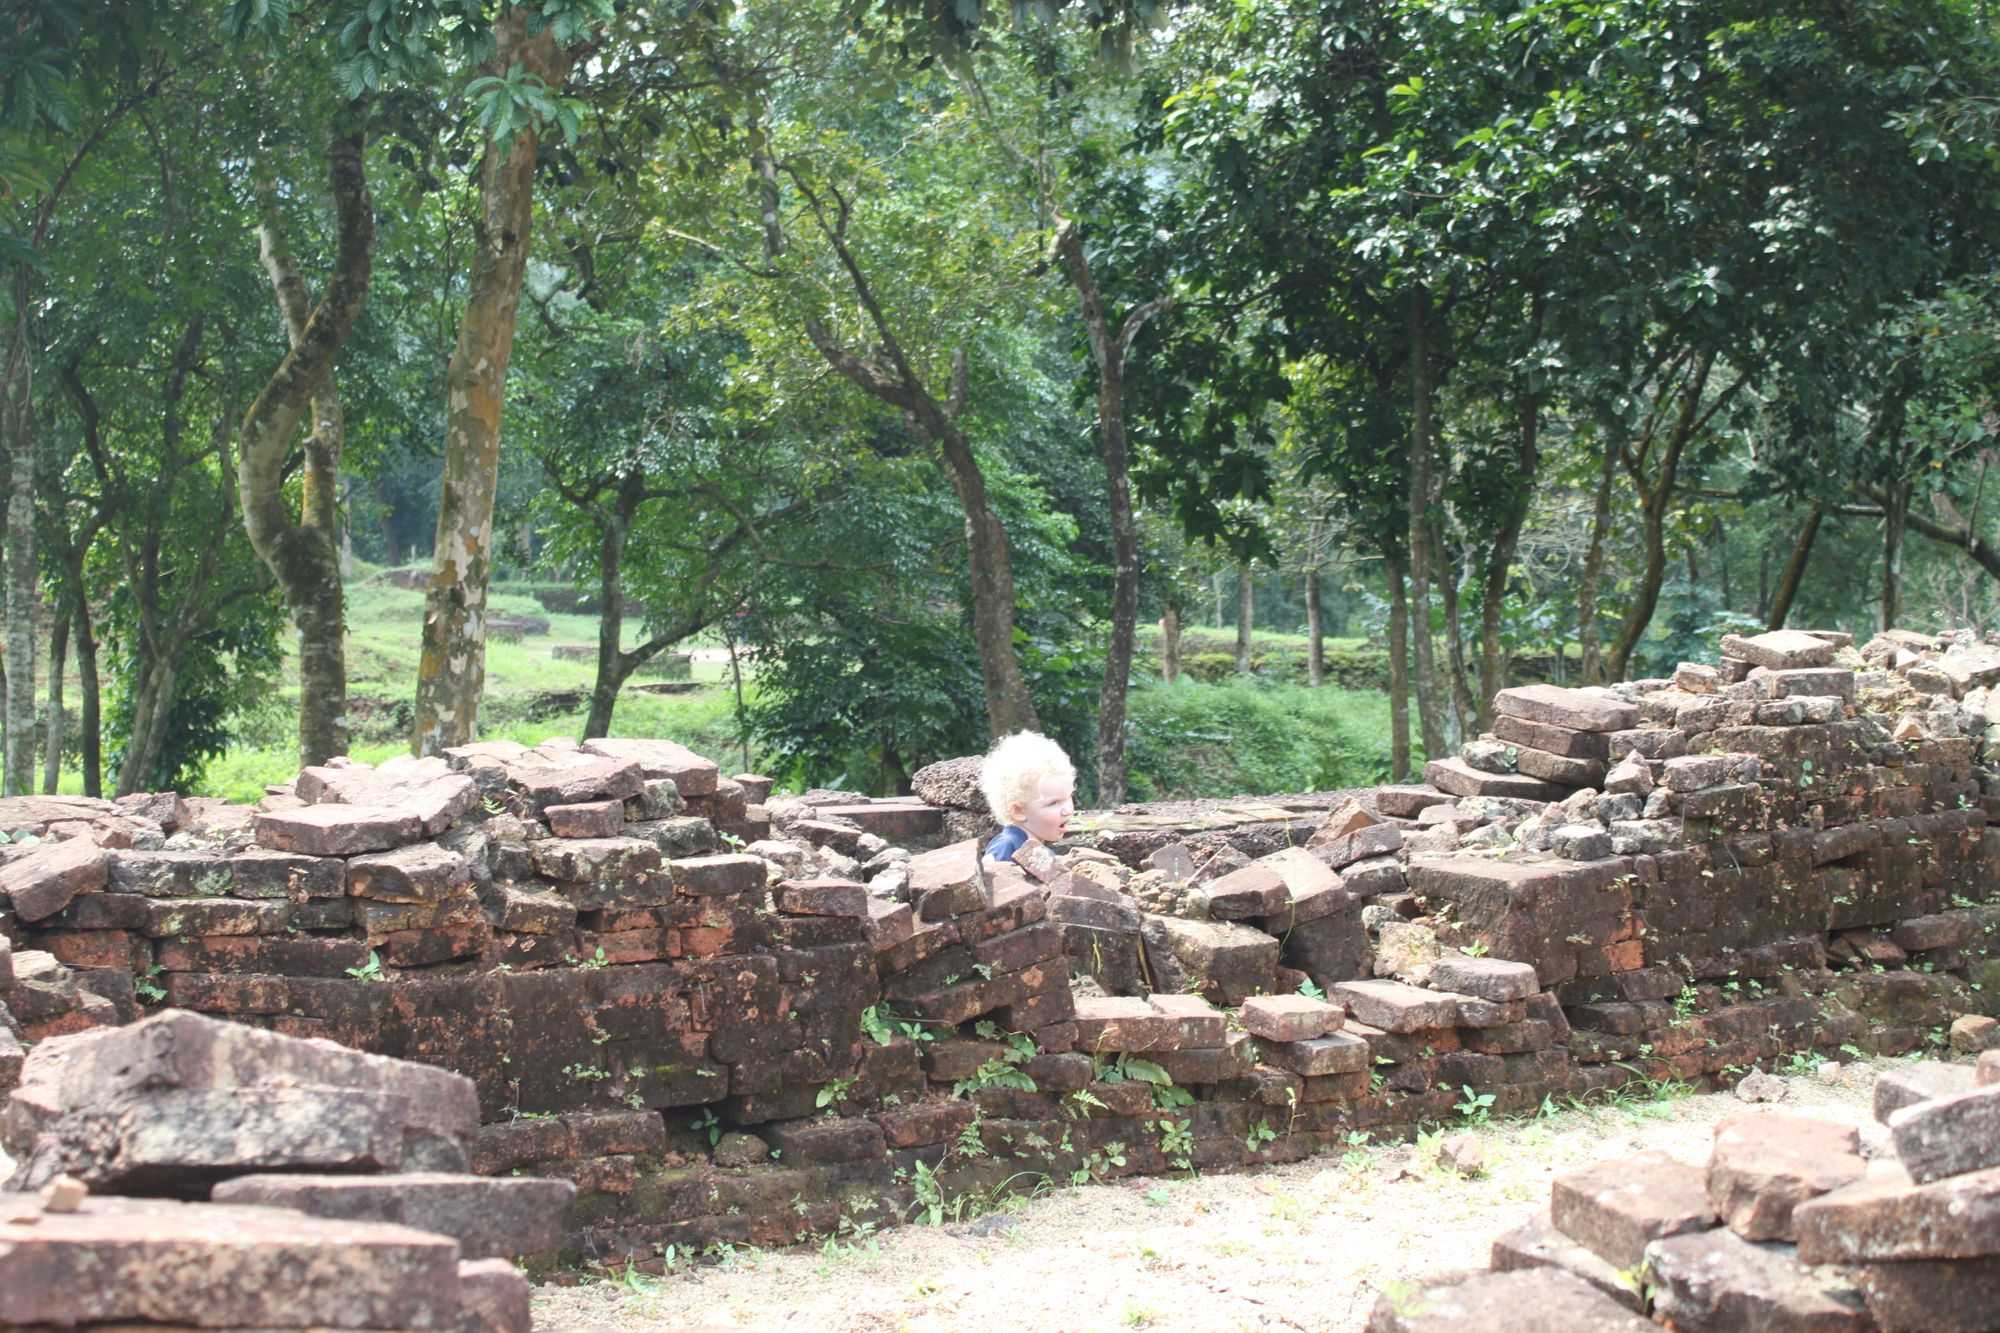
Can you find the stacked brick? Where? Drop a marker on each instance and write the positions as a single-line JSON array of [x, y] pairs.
[[1789, 1226], [188, 1171]]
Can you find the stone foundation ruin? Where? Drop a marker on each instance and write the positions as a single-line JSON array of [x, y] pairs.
[[725, 1018]]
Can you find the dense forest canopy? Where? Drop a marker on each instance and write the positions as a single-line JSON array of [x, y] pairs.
[[925, 354]]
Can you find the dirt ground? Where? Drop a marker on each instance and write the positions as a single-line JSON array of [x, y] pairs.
[[1302, 1247]]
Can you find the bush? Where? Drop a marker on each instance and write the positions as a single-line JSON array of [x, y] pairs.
[[1192, 739]]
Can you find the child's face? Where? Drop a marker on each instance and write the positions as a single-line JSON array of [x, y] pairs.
[[1047, 813]]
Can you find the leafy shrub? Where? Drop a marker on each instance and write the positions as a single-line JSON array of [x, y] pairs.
[[1192, 739]]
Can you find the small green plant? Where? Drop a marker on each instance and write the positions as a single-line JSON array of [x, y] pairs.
[[148, 989], [835, 1092], [597, 959], [1157, 1197], [1260, 1134], [1311, 990], [586, 1073], [710, 1124], [1177, 1141], [1477, 1108], [368, 971], [1476, 949]]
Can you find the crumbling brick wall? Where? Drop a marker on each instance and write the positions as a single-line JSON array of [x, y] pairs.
[[731, 1019]]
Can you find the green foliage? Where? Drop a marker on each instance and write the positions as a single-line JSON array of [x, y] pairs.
[[1188, 739]]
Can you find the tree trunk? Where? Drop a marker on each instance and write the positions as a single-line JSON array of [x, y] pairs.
[[611, 669], [1246, 614], [1500, 558], [1422, 562], [451, 674], [1895, 518], [1008, 708], [304, 553], [90, 734], [1588, 630], [1170, 642], [1399, 671], [1315, 620], [1795, 569], [1463, 708], [58, 663], [17, 435]]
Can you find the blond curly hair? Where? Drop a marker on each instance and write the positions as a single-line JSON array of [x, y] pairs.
[[1013, 769]]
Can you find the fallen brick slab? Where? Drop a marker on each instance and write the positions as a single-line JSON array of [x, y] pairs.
[[1578, 710], [1228, 961], [1780, 649], [493, 1297], [1537, 1244], [1123, 1023], [1289, 1017], [336, 830], [490, 1217], [1198, 1024], [421, 873], [1536, 1300], [1717, 1282], [43, 882], [210, 1265], [1616, 1208], [1888, 1217], [1396, 1007], [1764, 1165], [1462, 779], [1341, 1053], [1948, 1136], [689, 772], [1898, 1088], [1495, 979], [1933, 1296]]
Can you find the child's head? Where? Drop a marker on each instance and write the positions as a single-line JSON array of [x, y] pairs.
[[1029, 781]]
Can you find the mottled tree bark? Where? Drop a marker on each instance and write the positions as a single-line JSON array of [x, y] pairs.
[[1895, 519], [1500, 556], [52, 744], [1170, 642], [1795, 569], [1246, 617], [451, 674], [1399, 671], [17, 434], [90, 720], [304, 553], [1315, 617], [1422, 553], [1589, 634]]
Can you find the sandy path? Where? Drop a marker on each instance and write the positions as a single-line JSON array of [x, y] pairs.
[[1301, 1247]]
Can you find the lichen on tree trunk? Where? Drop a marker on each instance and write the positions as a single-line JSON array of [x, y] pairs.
[[304, 553], [451, 673], [17, 433]]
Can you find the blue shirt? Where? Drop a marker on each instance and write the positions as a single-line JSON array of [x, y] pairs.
[[1006, 843]]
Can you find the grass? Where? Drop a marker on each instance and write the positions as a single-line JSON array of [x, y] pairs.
[[1190, 740]]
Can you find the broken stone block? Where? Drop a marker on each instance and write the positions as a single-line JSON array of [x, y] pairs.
[[153, 1262], [1339, 1053], [1226, 962], [1395, 1007], [1832, 682], [590, 819], [1933, 1296], [1764, 1166], [259, 872], [1617, 1208], [688, 771], [1694, 678], [1972, 1033], [1717, 1282], [1987, 1072], [491, 1217], [1254, 891], [1889, 1217], [823, 897], [1461, 779], [1537, 1244], [421, 873], [336, 830], [1551, 739], [1199, 1023], [1560, 768], [1122, 1023], [947, 882], [174, 1102], [1289, 1017], [1633, 774], [1488, 756], [493, 1297], [1779, 650], [42, 882], [1915, 1083], [1494, 979], [1579, 710], [1580, 842], [1407, 801], [1536, 1300], [1948, 1136], [1462, 1153]]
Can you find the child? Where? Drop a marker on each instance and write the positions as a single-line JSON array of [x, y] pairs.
[[1030, 786]]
